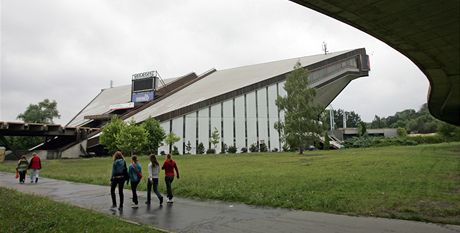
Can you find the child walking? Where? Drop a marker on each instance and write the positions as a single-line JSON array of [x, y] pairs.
[[23, 164], [135, 176], [154, 170]]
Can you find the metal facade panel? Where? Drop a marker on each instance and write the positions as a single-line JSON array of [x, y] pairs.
[[190, 131], [177, 128], [240, 134], [203, 127], [228, 123]]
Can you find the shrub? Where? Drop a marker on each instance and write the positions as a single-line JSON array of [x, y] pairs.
[[211, 151], [401, 132], [162, 152], [263, 147], [200, 149], [253, 148], [275, 149], [175, 150], [232, 149], [244, 150]]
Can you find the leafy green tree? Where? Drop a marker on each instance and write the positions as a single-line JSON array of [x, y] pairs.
[[110, 132], [155, 134], [131, 138], [401, 132], [43, 112], [301, 126], [362, 129], [327, 142], [170, 139], [215, 138]]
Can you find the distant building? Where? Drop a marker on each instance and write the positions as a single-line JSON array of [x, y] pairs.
[[347, 133]]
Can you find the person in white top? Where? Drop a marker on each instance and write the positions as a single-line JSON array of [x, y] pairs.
[[154, 170]]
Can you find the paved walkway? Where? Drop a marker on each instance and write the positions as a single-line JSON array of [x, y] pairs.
[[187, 215]]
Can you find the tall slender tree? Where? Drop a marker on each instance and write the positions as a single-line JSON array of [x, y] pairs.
[[301, 126]]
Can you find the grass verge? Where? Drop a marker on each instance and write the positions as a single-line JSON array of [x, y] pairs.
[[29, 213], [407, 182]]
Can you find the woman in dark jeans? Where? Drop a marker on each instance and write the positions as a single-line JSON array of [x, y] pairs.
[[154, 170], [119, 176], [135, 176]]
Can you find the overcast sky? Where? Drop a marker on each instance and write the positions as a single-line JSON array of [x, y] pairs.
[[69, 50]]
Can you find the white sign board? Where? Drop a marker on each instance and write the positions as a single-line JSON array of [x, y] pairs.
[[122, 106]]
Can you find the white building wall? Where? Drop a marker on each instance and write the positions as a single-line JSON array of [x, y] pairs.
[[165, 126], [273, 117], [239, 123], [203, 127], [216, 123], [190, 131], [177, 128], [227, 137], [262, 114], [251, 118]]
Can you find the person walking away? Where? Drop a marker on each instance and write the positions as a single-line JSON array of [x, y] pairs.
[[169, 166], [35, 165], [135, 176], [154, 170], [118, 178], [23, 164]]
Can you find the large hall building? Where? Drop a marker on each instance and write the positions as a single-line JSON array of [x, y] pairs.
[[239, 102]]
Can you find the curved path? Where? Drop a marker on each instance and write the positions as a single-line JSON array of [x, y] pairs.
[[187, 215]]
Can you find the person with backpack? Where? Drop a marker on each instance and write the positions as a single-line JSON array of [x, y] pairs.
[[21, 169], [154, 170], [35, 165], [169, 166], [118, 178], [135, 176]]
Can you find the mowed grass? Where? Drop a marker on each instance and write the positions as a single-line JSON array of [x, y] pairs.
[[415, 182], [29, 213]]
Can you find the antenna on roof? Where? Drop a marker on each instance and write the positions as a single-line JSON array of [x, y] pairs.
[[325, 48]]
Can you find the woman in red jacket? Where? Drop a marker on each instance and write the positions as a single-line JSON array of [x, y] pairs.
[[169, 166], [35, 165]]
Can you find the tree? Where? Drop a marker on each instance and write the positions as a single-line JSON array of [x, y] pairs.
[[215, 138], [131, 138], [301, 126], [43, 112], [170, 139], [110, 133], [327, 142], [188, 147], [155, 134], [362, 129]]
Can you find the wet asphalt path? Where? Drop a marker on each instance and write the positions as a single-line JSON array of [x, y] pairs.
[[187, 215]]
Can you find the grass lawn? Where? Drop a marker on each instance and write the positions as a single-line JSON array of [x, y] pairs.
[[414, 182], [29, 213]]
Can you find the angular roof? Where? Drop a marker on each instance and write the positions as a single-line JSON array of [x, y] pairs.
[[223, 81]]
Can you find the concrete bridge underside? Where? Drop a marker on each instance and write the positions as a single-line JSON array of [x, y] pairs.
[[427, 32]]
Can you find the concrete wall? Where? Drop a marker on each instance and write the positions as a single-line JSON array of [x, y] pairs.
[[74, 151]]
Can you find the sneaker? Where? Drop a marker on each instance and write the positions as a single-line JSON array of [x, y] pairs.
[[120, 208], [113, 207], [169, 200], [161, 200], [134, 206]]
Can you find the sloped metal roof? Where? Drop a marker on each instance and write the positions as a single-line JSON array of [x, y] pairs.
[[227, 80]]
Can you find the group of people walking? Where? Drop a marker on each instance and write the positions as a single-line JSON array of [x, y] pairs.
[[34, 165], [122, 173]]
